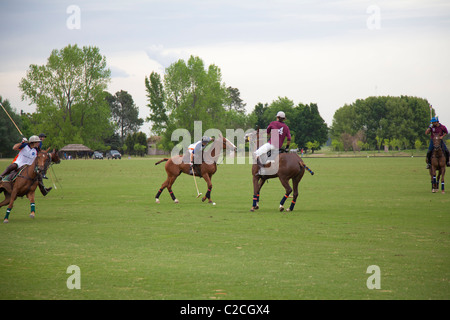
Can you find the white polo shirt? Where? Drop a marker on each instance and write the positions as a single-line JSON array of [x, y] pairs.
[[26, 156]]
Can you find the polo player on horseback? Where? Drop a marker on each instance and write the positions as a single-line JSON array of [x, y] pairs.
[[283, 132], [437, 129], [195, 154], [28, 152]]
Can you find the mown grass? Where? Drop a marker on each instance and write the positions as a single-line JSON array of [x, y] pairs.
[[351, 214]]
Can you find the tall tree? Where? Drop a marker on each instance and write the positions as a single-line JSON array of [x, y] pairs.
[[236, 103], [68, 92], [9, 135], [156, 96], [193, 93], [125, 113]]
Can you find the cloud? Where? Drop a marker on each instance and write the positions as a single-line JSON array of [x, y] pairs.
[[117, 72], [165, 57]]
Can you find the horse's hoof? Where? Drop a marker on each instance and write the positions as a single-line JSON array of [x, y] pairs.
[[5, 221], [281, 208], [443, 192], [257, 207], [252, 209], [157, 200], [32, 216], [203, 199], [288, 210], [176, 201]]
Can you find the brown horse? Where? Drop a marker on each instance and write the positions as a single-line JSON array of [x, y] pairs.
[[180, 164], [438, 163], [287, 166], [26, 182]]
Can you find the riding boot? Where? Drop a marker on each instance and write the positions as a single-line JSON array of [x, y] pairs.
[[43, 189], [429, 159], [9, 169]]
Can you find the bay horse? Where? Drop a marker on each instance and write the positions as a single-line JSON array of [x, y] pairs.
[[180, 164], [438, 163], [287, 166], [26, 182]]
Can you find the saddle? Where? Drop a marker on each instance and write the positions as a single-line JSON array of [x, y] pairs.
[[14, 174]]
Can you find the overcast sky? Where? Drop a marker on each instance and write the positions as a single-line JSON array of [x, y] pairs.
[[325, 52]]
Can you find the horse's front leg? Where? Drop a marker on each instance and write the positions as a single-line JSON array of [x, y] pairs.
[[30, 196], [207, 178], [442, 180], [433, 179]]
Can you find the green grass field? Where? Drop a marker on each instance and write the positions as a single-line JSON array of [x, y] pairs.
[[353, 213]]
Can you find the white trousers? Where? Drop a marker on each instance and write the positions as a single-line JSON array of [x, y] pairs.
[[264, 149]]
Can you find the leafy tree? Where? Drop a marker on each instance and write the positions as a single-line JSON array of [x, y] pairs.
[[136, 143], [8, 132], [158, 111], [125, 113], [192, 93], [257, 115], [307, 125], [236, 103], [403, 118], [68, 92]]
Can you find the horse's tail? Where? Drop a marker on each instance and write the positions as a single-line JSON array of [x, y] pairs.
[[165, 159], [303, 165]]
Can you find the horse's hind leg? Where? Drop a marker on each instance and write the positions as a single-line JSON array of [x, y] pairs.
[[12, 198], [295, 182], [171, 181], [207, 179], [288, 189]]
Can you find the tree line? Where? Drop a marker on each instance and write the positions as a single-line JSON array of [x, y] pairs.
[[73, 106], [375, 122]]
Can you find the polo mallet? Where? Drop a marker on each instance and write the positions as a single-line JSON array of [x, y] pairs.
[[195, 181], [12, 120]]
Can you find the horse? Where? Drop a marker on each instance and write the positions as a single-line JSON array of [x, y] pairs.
[[177, 165], [289, 167], [438, 163], [26, 182]]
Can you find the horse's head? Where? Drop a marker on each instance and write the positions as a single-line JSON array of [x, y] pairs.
[[42, 161], [437, 143], [227, 144], [55, 156]]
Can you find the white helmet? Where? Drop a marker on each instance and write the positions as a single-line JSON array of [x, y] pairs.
[[281, 114], [34, 139]]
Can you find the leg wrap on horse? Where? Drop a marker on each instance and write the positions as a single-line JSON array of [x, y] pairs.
[[158, 193], [208, 194], [291, 208], [172, 195], [8, 211], [255, 200], [33, 207], [284, 199]]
